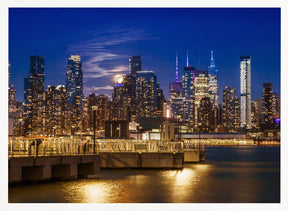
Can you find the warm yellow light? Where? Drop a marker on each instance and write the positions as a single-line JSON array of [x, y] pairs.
[[118, 79]]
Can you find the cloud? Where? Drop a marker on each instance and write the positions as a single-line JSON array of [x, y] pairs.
[[93, 89], [98, 50], [98, 72]]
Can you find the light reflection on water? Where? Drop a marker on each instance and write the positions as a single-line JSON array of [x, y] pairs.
[[212, 181]]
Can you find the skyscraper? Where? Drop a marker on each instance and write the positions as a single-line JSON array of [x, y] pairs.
[[275, 106], [213, 82], [160, 101], [188, 80], [188, 95], [245, 91], [50, 111], [201, 90], [231, 109], [119, 97], [74, 89], [256, 113], [33, 98], [102, 111], [175, 93], [267, 117], [56, 117], [130, 96], [146, 93], [134, 64], [204, 114]]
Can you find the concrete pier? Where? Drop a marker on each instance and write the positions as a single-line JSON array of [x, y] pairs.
[[141, 160], [45, 168], [195, 155]]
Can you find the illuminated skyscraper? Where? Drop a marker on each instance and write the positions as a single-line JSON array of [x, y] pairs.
[[175, 94], [102, 111], [146, 93], [160, 101], [50, 111], [188, 95], [130, 96], [204, 114], [85, 115], [245, 91], [256, 113], [33, 98], [134, 64], [56, 117], [74, 88], [12, 98], [201, 90], [15, 110], [275, 106], [213, 82], [267, 117], [188, 79], [119, 98], [231, 109]]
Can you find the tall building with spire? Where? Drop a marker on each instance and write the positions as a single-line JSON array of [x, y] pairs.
[[74, 89], [175, 93], [245, 91], [213, 82], [188, 80]]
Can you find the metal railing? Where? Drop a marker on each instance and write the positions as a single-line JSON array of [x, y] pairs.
[[24, 147]]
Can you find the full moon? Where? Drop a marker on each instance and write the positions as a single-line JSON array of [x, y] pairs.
[[118, 79]]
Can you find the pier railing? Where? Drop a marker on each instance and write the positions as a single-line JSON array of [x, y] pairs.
[[18, 147]]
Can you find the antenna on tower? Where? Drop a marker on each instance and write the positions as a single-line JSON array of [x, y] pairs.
[[187, 59], [177, 78]]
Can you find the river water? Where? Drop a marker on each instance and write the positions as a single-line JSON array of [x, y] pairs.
[[238, 174]]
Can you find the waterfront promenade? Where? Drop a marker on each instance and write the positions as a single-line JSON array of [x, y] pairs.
[[43, 159]]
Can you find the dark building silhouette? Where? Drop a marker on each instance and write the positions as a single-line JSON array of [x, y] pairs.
[[117, 129], [134, 64], [267, 117]]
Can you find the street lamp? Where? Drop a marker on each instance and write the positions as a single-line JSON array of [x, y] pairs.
[[178, 125], [94, 108], [199, 127]]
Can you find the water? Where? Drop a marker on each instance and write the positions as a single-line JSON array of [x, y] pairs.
[[248, 174]]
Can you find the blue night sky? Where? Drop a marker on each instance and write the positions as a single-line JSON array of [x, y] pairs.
[[104, 38]]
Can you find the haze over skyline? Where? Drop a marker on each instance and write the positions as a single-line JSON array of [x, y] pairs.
[[104, 38]]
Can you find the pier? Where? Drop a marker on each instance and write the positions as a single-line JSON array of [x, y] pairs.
[[45, 159]]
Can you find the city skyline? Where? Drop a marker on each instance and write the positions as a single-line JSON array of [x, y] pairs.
[[104, 54]]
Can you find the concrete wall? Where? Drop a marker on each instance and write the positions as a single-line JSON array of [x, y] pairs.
[[191, 156], [141, 160], [194, 155], [45, 168], [64, 167]]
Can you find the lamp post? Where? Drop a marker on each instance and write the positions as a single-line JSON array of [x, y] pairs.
[[94, 108], [178, 127], [199, 128]]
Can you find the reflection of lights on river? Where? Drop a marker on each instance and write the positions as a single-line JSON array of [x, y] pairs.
[[95, 192], [184, 177], [184, 183]]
